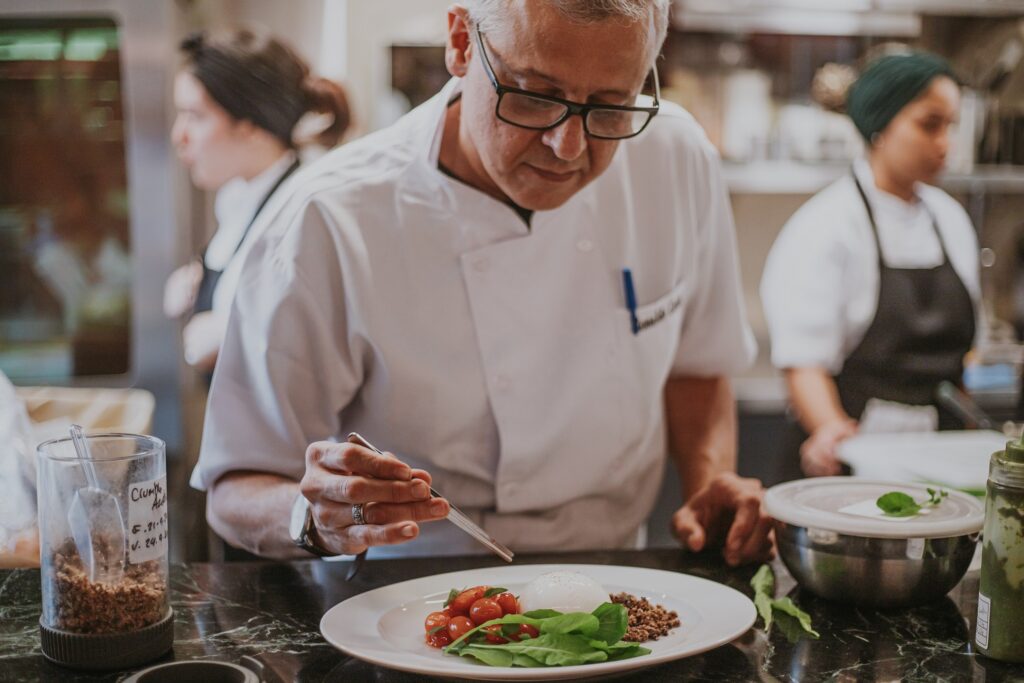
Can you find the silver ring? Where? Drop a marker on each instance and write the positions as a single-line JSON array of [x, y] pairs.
[[357, 514]]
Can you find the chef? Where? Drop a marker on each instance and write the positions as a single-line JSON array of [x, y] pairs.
[[872, 288], [525, 290], [243, 139]]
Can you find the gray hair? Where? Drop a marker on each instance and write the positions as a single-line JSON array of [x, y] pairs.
[[489, 14]]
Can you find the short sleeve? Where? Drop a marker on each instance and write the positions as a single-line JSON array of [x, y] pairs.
[[802, 291], [716, 338], [272, 392]]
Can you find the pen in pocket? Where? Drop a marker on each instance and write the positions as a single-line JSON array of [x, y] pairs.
[[630, 292]]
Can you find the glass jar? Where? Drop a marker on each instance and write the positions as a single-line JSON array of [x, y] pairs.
[[103, 531], [999, 631]]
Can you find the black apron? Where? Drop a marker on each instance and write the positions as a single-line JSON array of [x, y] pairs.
[[923, 326], [204, 295]]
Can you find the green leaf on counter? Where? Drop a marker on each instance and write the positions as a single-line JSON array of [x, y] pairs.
[[787, 606], [764, 588], [767, 606]]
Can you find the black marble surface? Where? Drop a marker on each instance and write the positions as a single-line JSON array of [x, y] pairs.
[[271, 611]]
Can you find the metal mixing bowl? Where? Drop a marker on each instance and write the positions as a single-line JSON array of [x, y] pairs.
[[874, 572]]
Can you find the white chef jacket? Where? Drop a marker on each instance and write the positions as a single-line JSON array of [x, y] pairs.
[[820, 283], [387, 298], [234, 207]]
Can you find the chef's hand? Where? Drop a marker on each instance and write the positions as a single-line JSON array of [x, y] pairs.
[[202, 338], [730, 507], [395, 497], [181, 289], [818, 453]]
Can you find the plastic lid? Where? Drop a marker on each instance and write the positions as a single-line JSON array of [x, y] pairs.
[[846, 505]]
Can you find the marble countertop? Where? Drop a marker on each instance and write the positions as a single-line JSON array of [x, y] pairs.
[[271, 611]]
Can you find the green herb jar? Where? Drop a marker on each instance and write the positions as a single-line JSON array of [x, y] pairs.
[[999, 631]]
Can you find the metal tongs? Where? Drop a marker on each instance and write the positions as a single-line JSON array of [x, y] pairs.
[[455, 516]]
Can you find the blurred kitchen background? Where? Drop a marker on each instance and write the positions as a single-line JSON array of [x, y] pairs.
[[95, 211]]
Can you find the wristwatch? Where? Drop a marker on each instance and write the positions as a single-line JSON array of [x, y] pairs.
[[302, 529]]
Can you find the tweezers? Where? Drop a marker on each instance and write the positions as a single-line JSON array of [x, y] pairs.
[[455, 516]]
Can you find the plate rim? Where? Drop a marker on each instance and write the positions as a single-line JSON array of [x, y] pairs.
[[547, 673]]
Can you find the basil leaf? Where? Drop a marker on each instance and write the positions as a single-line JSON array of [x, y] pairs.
[[491, 592], [613, 622], [763, 584], [897, 504], [436, 629], [787, 606]]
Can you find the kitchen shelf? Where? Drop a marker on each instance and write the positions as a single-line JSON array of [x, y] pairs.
[[792, 177]]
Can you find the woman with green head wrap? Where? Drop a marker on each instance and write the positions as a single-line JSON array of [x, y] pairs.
[[871, 289]]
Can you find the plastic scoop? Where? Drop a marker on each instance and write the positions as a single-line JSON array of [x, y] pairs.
[[97, 526]]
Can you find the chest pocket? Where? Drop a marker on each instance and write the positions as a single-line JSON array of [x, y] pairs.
[[646, 357]]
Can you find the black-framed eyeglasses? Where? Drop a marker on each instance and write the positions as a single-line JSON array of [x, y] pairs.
[[535, 111]]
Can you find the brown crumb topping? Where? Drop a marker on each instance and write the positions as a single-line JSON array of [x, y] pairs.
[[84, 606], [646, 621]]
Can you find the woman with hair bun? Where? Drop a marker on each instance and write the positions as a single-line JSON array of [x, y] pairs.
[[871, 290], [244, 102]]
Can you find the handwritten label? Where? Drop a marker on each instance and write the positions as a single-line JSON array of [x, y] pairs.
[[147, 520]]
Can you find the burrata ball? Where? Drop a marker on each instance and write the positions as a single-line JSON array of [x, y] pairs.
[[565, 591]]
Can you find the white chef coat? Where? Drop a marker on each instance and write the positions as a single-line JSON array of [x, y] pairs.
[[234, 206], [387, 298], [820, 283]]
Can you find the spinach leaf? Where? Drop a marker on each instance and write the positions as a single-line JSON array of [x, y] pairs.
[[491, 656], [764, 588], [564, 640], [613, 622], [786, 605], [573, 622], [763, 583], [620, 650], [555, 649]]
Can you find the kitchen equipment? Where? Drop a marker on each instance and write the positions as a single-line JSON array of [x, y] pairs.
[[963, 406], [92, 619], [840, 546], [455, 516], [96, 522], [999, 631], [251, 671]]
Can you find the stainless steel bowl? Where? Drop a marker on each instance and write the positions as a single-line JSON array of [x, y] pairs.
[[874, 572]]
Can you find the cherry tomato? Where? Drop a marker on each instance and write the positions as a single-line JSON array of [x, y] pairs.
[[458, 626], [527, 630], [508, 603], [494, 635], [439, 639], [436, 619], [483, 610], [461, 604]]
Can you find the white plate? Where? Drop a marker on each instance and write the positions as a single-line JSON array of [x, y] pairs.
[[385, 626]]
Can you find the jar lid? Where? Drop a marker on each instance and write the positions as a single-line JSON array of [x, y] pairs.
[[847, 505]]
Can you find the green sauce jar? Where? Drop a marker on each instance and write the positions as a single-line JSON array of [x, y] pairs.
[[999, 632]]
